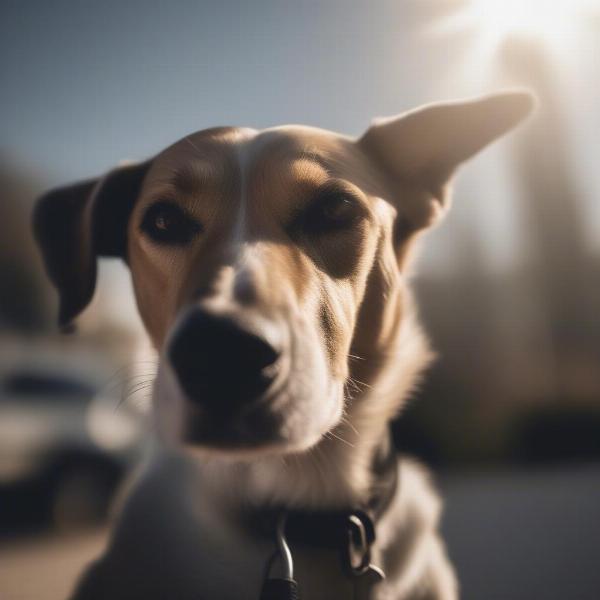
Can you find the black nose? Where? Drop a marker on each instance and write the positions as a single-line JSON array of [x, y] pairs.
[[220, 364]]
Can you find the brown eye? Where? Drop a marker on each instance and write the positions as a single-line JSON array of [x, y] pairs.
[[330, 213], [337, 208], [166, 223]]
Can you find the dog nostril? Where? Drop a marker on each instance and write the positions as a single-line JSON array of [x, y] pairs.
[[219, 362]]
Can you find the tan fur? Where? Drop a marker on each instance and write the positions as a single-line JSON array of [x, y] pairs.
[[342, 304]]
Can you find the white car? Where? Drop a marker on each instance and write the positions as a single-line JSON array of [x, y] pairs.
[[64, 445]]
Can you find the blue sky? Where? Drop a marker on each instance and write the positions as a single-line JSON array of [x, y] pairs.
[[86, 84]]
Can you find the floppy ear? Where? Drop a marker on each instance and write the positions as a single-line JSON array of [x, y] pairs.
[[74, 225], [424, 147]]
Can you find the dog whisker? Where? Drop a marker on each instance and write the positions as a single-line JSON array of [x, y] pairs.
[[138, 388], [128, 373], [347, 422], [128, 394], [358, 382], [354, 390], [331, 435]]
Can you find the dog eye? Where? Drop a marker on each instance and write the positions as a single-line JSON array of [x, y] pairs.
[[166, 223], [331, 213]]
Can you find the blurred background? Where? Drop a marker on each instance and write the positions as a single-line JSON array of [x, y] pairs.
[[509, 286]]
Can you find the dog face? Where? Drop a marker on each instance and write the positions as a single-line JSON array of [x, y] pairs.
[[262, 261], [256, 247]]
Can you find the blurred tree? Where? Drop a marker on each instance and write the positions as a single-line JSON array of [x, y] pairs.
[[565, 276], [25, 293]]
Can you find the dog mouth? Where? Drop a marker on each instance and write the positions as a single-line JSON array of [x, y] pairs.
[[238, 416], [280, 422], [291, 418]]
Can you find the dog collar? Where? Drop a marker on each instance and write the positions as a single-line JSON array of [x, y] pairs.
[[350, 531]]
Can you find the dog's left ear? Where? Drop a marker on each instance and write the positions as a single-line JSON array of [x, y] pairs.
[[73, 225], [423, 148]]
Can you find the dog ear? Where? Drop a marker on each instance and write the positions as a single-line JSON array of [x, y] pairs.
[[423, 148], [74, 225]]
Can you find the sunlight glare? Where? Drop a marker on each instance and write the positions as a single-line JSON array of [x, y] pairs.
[[549, 20], [540, 18]]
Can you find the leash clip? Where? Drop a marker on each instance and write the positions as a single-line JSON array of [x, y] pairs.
[[356, 556], [356, 560], [284, 587]]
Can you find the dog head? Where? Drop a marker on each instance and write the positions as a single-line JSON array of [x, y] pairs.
[[263, 261]]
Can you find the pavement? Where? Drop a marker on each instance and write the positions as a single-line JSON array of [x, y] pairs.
[[525, 534], [46, 567]]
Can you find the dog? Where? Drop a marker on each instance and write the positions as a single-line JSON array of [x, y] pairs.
[[271, 271]]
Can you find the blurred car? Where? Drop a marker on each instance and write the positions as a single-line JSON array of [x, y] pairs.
[[64, 446]]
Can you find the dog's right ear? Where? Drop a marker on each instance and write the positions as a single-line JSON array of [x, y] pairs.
[[423, 148], [74, 225]]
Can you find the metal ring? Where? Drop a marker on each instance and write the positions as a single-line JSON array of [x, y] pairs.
[[358, 545]]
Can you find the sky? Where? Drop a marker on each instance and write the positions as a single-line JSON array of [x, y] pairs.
[[84, 85], [88, 83]]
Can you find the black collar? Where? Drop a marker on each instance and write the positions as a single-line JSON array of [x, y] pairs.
[[331, 528], [350, 531]]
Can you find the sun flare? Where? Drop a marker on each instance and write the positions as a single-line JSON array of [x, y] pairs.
[[551, 21], [541, 18]]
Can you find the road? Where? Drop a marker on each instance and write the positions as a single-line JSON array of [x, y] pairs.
[[46, 568]]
